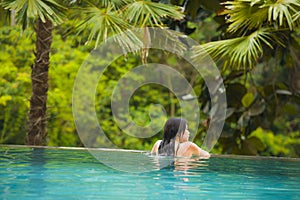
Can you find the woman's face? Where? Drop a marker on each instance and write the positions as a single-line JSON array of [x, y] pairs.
[[185, 135]]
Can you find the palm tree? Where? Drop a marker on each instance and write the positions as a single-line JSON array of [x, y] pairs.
[[44, 14], [104, 18], [112, 17], [255, 27], [256, 32]]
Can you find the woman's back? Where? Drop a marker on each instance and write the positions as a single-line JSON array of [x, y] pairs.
[[183, 149]]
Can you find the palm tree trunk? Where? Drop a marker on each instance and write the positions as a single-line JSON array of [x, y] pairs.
[[39, 77]]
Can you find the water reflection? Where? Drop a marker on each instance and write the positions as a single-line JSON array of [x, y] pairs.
[[36, 173], [24, 168], [187, 164], [180, 178]]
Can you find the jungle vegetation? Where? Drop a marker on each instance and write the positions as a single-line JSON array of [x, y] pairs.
[[254, 43]]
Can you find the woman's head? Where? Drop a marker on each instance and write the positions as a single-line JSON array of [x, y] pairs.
[[174, 127]]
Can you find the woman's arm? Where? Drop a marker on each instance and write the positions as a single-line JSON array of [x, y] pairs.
[[197, 151], [155, 147]]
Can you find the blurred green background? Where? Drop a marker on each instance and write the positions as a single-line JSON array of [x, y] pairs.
[[263, 99]]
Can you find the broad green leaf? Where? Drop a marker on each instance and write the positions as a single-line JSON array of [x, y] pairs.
[[248, 99]]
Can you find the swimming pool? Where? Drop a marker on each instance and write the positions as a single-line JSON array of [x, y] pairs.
[[50, 173]]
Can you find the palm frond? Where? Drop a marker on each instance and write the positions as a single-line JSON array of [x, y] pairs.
[[104, 23], [237, 52], [115, 3], [252, 14], [283, 12], [245, 14], [296, 19], [147, 13], [31, 9]]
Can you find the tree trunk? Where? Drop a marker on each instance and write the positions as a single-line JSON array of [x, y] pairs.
[[13, 18], [39, 78]]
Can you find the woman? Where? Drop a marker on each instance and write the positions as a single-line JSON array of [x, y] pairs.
[[175, 141]]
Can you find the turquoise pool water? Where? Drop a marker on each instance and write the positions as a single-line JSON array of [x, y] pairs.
[[27, 173]]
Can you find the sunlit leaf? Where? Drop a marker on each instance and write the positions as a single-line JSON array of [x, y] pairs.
[[32, 9], [245, 14], [115, 3], [147, 13], [248, 99], [283, 11], [104, 23], [240, 52], [252, 14]]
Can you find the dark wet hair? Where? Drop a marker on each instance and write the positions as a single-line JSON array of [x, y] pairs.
[[173, 127]]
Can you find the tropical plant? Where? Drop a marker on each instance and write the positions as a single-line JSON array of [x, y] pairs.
[[103, 18], [44, 14], [254, 28], [258, 50], [110, 18], [6, 17], [247, 128], [15, 59]]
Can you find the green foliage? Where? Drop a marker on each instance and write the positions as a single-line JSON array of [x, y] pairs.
[[102, 23], [253, 28], [147, 13], [5, 16], [112, 18], [263, 105], [262, 114], [14, 84], [240, 52], [64, 63], [249, 14], [140, 106], [27, 11], [270, 144], [248, 99], [15, 87], [258, 50]]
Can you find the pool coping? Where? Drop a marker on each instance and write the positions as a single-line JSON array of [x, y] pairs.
[[232, 156]]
